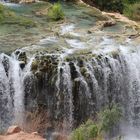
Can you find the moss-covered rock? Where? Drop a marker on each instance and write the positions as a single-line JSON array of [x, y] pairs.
[[22, 64], [34, 65], [44, 64], [22, 57]]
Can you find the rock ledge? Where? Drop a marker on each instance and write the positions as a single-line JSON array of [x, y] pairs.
[[15, 133]]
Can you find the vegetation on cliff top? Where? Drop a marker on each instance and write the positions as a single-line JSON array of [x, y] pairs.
[[130, 8], [132, 11]]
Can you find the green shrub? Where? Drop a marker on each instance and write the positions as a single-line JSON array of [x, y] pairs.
[[55, 12], [109, 118], [77, 134], [86, 131], [132, 11], [106, 121]]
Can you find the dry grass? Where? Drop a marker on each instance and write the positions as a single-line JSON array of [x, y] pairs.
[[36, 121], [39, 121]]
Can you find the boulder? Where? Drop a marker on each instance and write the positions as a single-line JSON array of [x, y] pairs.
[[35, 133], [133, 36], [15, 133], [13, 129], [109, 23], [27, 1], [42, 12], [21, 56], [22, 64]]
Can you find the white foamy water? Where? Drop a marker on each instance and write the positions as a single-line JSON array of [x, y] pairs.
[[75, 43], [48, 40], [13, 91], [130, 133], [17, 80], [131, 137], [67, 28]]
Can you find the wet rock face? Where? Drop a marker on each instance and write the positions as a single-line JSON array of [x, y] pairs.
[[5, 62], [40, 88], [45, 64], [22, 64], [69, 90], [21, 56], [13, 130], [64, 90], [74, 73], [15, 133], [75, 90]]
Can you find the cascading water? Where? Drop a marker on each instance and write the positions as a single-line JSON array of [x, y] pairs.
[[5, 96], [12, 91], [16, 76], [64, 84]]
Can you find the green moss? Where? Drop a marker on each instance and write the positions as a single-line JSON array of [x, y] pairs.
[[21, 21], [26, 22], [83, 70], [45, 64], [34, 65], [87, 75], [115, 53]]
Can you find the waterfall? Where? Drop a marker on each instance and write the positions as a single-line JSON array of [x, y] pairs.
[[5, 96], [16, 76], [68, 97], [12, 90], [71, 88]]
